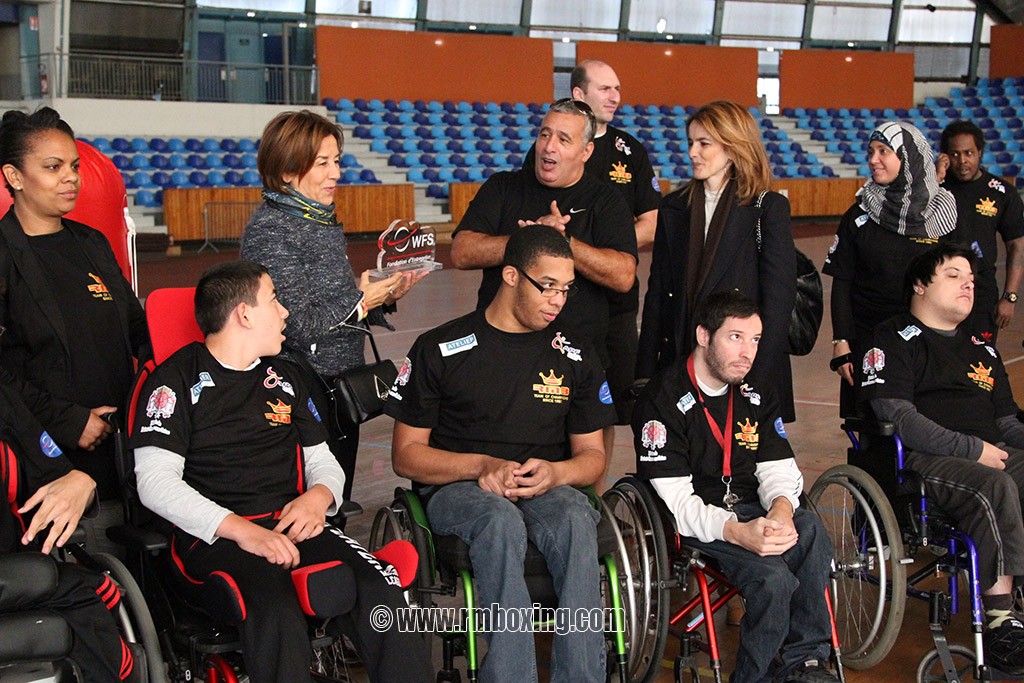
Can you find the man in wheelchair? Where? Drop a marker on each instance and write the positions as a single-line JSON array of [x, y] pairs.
[[948, 394], [715, 450], [498, 416], [229, 448], [35, 524]]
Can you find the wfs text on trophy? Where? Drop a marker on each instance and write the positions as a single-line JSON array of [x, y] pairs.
[[405, 246]]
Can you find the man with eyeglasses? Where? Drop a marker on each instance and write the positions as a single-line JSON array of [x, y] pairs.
[[498, 417], [555, 191]]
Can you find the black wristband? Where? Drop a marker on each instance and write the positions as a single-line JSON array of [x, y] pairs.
[[840, 360]]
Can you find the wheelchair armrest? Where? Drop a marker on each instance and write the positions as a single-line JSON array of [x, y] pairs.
[[873, 427], [349, 508], [138, 539], [26, 579], [34, 636]]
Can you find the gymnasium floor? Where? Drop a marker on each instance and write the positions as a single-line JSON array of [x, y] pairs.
[[816, 438]]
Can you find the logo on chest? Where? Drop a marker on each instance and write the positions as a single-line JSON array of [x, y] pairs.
[[747, 437], [619, 174], [982, 376], [551, 390], [98, 289], [281, 414], [987, 207]]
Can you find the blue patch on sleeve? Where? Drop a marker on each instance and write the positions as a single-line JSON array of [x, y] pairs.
[[49, 446], [605, 394], [780, 428], [655, 184], [312, 409]]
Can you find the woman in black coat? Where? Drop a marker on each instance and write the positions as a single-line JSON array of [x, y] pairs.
[[724, 230]]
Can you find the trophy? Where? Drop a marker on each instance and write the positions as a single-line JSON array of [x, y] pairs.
[[405, 246]]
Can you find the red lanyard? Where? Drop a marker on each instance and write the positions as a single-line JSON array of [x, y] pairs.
[[716, 431]]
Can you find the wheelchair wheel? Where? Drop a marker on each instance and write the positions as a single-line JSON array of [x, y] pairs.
[[643, 569], [869, 582], [398, 522], [135, 621], [930, 670]]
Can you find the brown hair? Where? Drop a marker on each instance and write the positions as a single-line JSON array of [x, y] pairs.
[[732, 126], [290, 144]]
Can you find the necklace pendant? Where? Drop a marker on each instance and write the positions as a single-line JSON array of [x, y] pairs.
[[730, 499]]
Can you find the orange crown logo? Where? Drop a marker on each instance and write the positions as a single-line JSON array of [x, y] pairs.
[[620, 169], [746, 427], [280, 408], [551, 380], [981, 369]]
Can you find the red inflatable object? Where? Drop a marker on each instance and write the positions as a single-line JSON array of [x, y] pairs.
[[101, 202]]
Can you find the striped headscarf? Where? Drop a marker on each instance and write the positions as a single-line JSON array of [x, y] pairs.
[[913, 204]]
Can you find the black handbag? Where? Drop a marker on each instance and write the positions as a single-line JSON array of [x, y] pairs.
[[359, 393], [809, 306]]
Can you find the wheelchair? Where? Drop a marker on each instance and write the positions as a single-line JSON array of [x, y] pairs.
[[658, 562], [882, 523], [444, 566], [195, 637]]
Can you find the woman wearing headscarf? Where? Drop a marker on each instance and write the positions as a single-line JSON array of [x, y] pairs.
[[900, 212], [722, 231]]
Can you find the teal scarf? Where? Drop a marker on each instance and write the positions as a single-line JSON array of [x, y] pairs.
[[295, 204]]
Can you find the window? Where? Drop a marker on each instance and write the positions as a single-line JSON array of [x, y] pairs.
[[694, 17], [398, 9], [592, 14], [853, 24], [762, 19], [473, 11]]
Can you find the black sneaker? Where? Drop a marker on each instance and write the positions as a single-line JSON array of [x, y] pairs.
[[1004, 645], [811, 671]]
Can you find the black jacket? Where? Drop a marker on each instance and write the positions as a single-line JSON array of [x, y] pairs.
[[37, 344], [767, 275]]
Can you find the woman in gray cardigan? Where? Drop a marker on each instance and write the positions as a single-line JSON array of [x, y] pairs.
[[296, 235]]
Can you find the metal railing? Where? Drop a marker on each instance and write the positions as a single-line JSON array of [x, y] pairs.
[[145, 78], [223, 222]]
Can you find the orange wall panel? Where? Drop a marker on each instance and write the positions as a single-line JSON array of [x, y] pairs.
[[1006, 59], [662, 73], [421, 65], [840, 78]]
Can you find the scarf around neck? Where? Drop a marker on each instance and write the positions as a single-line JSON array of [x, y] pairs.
[[913, 204], [702, 249], [295, 204]]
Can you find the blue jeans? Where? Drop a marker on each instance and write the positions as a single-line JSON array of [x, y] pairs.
[[784, 595], [563, 525]]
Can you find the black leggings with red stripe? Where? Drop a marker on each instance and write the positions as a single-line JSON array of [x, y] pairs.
[[275, 641], [86, 600]]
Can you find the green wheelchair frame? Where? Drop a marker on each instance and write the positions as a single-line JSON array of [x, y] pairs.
[[406, 518]]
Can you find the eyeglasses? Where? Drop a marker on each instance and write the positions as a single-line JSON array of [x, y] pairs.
[[547, 291], [579, 105]]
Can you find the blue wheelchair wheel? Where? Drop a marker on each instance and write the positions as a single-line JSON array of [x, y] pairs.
[[869, 579]]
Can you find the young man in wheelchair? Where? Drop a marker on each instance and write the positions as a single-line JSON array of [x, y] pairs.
[[498, 416], [51, 497], [229, 448], [947, 393], [715, 450]]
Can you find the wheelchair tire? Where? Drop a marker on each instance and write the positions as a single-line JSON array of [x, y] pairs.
[[643, 571], [396, 522], [930, 670], [869, 580], [136, 622]]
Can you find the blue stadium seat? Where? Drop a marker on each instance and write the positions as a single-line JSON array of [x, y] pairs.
[[211, 145], [233, 178], [102, 144], [415, 175], [175, 161], [247, 145], [121, 145], [251, 179], [198, 178], [229, 145], [368, 176], [216, 179], [146, 198], [214, 161], [232, 161], [162, 178], [330, 103], [140, 161], [180, 179], [476, 175], [142, 179], [349, 160], [193, 145]]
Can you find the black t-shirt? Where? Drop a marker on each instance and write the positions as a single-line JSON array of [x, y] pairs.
[[874, 260], [957, 381], [240, 431], [508, 395], [985, 206], [673, 438], [597, 217], [620, 159], [98, 373]]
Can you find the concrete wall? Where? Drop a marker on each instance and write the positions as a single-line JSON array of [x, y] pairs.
[[146, 118]]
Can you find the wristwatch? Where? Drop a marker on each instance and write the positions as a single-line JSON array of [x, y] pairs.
[[1010, 296]]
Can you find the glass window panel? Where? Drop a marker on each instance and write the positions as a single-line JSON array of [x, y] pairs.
[[767, 59], [986, 30], [762, 19], [820, 3], [955, 4], [592, 14], [399, 9], [983, 55], [294, 6], [474, 11], [364, 23], [564, 43], [768, 88], [941, 26], [939, 61], [694, 17], [850, 23]]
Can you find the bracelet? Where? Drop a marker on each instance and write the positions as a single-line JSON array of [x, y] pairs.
[[839, 341], [838, 361]]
